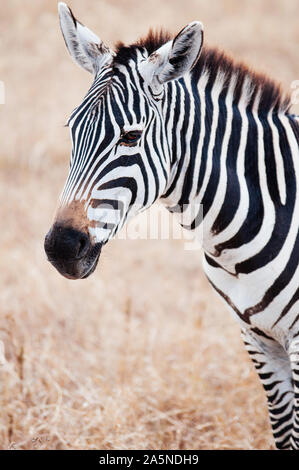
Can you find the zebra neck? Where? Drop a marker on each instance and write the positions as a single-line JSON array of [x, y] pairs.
[[233, 163]]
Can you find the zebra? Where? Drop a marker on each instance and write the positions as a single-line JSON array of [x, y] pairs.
[[168, 118]]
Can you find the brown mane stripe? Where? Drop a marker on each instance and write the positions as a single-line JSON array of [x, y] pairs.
[[215, 61]]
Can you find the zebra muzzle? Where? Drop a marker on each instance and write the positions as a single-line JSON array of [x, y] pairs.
[[71, 251]]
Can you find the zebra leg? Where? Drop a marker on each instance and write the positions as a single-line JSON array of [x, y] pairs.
[[294, 360], [272, 364]]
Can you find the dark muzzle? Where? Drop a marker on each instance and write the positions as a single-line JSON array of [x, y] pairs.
[[71, 251]]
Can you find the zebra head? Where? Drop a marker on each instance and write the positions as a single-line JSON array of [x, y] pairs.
[[121, 160]]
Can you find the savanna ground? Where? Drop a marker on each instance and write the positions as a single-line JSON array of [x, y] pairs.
[[142, 355]]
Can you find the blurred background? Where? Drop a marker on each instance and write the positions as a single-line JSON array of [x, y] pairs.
[[142, 355]]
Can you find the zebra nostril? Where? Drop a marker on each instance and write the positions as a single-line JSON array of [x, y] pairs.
[[83, 244]]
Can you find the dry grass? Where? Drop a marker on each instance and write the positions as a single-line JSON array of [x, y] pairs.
[[142, 354]]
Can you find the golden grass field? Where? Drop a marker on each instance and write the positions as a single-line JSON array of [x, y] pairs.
[[142, 355]]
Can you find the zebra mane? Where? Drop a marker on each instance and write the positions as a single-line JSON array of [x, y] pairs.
[[151, 43], [217, 65]]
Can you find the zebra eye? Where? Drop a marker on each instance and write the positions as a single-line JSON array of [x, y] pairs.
[[130, 137]]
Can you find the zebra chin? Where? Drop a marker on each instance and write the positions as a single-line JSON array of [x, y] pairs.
[[71, 252]]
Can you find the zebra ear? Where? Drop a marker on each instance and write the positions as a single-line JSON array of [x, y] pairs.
[[86, 49], [176, 57]]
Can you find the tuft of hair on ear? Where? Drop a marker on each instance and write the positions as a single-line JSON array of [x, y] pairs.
[[154, 40], [151, 42]]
